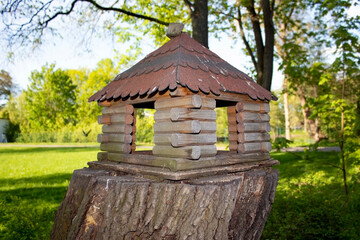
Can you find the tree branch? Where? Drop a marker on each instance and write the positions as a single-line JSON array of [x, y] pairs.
[[333, 165], [272, 4], [189, 5], [254, 17], [288, 18], [125, 12], [255, 21], [45, 24], [246, 42]]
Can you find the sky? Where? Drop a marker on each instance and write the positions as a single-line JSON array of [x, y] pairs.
[[69, 52]]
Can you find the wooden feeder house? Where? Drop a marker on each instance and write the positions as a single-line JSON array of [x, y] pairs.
[[183, 188], [184, 82]]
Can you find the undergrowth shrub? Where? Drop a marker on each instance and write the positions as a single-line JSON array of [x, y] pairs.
[[280, 143]]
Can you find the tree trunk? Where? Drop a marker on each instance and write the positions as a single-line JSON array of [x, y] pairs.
[[107, 205], [263, 62], [199, 21], [286, 110], [269, 44], [312, 125], [259, 44], [306, 128]]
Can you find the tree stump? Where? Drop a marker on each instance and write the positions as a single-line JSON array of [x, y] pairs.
[[102, 204]]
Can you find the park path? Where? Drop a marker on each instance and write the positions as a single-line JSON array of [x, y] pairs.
[[320, 149]]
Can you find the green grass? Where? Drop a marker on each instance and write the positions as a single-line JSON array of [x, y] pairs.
[[309, 202], [300, 138], [33, 182], [20, 144]]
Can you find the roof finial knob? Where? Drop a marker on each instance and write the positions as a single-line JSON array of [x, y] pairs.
[[174, 29]]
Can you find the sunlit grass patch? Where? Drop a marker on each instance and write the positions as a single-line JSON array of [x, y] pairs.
[[33, 181]]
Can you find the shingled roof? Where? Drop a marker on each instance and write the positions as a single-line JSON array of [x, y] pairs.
[[185, 62]]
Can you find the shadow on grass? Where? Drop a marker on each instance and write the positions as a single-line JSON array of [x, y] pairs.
[[44, 192], [15, 150], [46, 195], [44, 179]]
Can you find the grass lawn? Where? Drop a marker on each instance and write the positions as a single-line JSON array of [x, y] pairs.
[[33, 182], [309, 202]]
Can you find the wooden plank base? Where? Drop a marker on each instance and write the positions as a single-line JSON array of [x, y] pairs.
[[223, 158], [165, 173]]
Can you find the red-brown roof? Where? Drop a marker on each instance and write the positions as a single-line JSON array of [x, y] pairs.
[[181, 61]]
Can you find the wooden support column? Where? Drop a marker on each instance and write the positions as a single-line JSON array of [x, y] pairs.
[[185, 127]]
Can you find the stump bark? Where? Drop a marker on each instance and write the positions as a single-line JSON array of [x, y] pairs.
[[103, 204]]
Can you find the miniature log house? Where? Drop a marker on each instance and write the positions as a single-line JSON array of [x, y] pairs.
[[184, 82], [184, 188]]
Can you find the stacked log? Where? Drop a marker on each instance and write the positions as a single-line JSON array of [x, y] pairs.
[[118, 130], [249, 127], [185, 127]]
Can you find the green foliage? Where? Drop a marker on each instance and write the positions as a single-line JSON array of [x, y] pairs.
[[144, 125], [277, 119], [169, 11], [67, 134], [280, 143], [222, 123], [55, 107], [88, 83], [12, 132], [6, 84], [50, 99], [15, 110]]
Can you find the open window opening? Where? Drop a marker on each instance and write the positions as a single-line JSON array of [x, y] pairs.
[[222, 132], [226, 125], [143, 136], [144, 133]]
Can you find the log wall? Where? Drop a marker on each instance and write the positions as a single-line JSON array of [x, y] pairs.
[[248, 125], [118, 130], [185, 127]]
